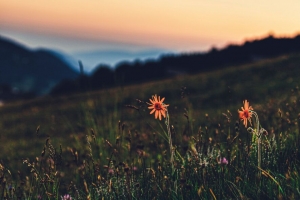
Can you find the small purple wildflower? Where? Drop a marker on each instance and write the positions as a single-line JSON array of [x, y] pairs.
[[66, 197], [223, 161], [110, 171]]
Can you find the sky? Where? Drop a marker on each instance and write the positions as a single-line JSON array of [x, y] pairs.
[[78, 26]]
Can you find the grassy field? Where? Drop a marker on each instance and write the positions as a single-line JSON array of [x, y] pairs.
[[105, 144]]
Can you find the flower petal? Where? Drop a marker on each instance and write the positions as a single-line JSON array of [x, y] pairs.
[[163, 113], [155, 98], [156, 114], [245, 122]]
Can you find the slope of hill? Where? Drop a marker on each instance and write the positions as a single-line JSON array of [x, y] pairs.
[[38, 72], [189, 63], [270, 85], [30, 71], [250, 51]]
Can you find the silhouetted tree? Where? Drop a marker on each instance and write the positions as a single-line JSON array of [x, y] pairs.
[[102, 77]]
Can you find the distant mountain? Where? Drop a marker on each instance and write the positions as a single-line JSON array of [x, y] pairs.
[[113, 57], [26, 71], [68, 59]]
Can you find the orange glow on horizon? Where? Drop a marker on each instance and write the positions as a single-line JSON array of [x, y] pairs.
[[169, 23]]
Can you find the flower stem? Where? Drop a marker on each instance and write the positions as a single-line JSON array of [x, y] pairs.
[[170, 139], [258, 135]]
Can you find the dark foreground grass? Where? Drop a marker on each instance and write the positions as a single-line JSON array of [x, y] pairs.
[[218, 163], [105, 145]]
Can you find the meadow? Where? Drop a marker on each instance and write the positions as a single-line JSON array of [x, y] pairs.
[[105, 144]]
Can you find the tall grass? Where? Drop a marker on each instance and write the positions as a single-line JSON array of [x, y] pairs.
[[105, 145]]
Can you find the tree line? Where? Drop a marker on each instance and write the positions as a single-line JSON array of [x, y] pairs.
[[166, 66]]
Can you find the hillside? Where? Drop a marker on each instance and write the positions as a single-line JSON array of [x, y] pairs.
[[167, 66], [26, 73], [67, 119], [32, 72]]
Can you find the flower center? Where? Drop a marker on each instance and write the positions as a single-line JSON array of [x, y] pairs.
[[246, 114], [157, 106]]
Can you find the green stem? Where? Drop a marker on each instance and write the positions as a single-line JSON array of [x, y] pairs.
[[258, 134], [170, 140]]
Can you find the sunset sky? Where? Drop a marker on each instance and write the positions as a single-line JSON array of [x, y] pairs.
[[177, 25]]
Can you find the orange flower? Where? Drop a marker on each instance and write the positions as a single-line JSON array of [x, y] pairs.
[[245, 114], [158, 107]]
